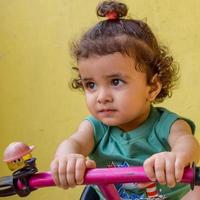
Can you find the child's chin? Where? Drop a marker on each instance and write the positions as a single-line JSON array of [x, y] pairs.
[[109, 122]]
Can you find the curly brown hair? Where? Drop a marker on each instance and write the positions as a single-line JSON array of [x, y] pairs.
[[130, 37]]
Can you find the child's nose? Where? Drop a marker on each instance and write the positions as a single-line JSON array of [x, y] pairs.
[[104, 96]]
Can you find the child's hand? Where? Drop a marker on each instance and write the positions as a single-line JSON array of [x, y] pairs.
[[69, 170], [166, 167]]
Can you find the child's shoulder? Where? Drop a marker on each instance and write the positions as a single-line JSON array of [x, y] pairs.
[[168, 117]]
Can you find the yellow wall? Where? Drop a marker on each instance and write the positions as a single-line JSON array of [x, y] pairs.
[[36, 105]]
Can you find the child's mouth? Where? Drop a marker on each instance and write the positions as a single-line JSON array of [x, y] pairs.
[[107, 111]]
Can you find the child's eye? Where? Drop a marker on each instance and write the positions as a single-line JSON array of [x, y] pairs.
[[117, 82], [90, 85]]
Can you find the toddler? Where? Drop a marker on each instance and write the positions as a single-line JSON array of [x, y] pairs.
[[124, 71]]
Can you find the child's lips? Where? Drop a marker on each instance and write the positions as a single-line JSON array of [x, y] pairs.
[[107, 110]]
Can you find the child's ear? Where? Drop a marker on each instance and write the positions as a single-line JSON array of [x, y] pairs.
[[155, 88]]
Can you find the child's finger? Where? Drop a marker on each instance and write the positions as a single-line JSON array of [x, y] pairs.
[[149, 168], [54, 170], [62, 175], [159, 167], [80, 170], [90, 164], [170, 172], [179, 169], [71, 172]]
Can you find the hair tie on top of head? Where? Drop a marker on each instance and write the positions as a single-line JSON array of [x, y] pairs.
[[112, 15]]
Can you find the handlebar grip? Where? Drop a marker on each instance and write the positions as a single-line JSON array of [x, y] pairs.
[[6, 186], [196, 175]]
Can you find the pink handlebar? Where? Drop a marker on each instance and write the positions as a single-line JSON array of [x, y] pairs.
[[24, 181], [102, 176]]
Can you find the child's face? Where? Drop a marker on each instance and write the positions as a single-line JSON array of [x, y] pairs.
[[116, 93]]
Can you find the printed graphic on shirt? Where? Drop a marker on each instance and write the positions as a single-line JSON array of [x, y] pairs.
[[126, 190]]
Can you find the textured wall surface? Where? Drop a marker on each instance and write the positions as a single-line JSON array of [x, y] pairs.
[[36, 104]]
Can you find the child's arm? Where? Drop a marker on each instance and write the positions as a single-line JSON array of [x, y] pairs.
[[182, 141], [167, 167], [69, 164]]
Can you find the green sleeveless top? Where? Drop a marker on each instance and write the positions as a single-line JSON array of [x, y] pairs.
[[114, 147]]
